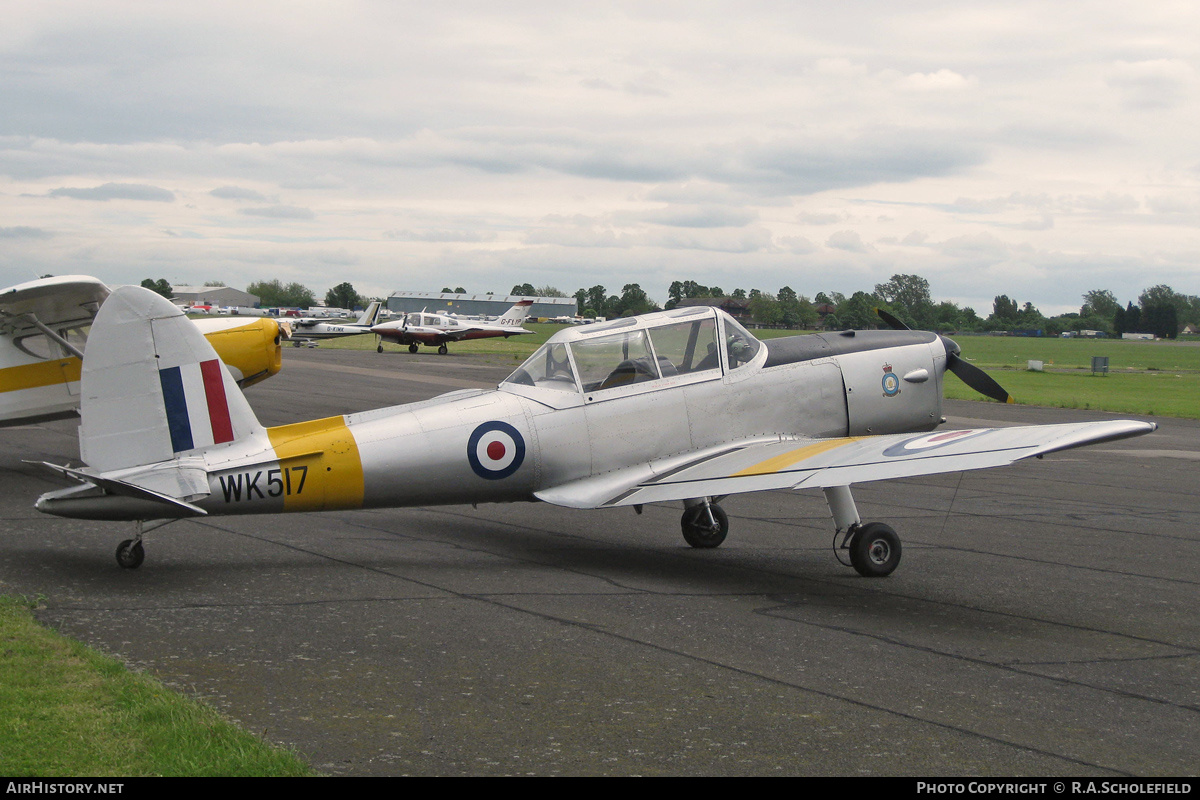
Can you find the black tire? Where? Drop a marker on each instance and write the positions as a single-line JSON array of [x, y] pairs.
[[443, 350], [379, 348], [699, 532], [412, 348], [130, 554], [875, 550]]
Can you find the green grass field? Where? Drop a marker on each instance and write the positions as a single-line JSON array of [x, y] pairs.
[[1158, 378], [68, 711]]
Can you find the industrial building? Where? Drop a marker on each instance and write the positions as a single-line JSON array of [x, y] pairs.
[[488, 305], [223, 296]]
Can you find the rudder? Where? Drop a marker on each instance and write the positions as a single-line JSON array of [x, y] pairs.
[[152, 386]]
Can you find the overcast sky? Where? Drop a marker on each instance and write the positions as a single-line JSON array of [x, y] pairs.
[[1032, 149]]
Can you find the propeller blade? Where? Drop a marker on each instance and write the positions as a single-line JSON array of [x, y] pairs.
[[892, 322], [976, 378]]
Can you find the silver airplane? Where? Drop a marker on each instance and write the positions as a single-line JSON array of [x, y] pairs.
[[309, 329], [682, 405]]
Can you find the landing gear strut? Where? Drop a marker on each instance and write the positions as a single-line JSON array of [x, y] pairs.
[[131, 553], [874, 548], [705, 524]]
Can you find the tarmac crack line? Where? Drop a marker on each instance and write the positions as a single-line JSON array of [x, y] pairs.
[[997, 664]]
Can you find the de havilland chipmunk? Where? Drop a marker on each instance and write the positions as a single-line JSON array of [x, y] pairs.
[[424, 328], [43, 333], [682, 405]]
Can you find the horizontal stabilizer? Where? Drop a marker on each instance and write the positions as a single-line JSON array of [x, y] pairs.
[[174, 507]]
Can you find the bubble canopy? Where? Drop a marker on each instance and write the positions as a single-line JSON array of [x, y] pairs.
[[682, 345]]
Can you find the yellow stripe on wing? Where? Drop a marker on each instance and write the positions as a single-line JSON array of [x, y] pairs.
[[784, 460], [41, 373]]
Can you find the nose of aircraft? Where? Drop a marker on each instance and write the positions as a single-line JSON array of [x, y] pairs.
[[972, 375], [952, 348], [967, 372]]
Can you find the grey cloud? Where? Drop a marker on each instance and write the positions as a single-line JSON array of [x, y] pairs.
[[696, 217], [882, 157], [1110, 201], [1042, 223], [116, 191], [407, 235], [781, 166], [279, 212], [817, 218], [238, 193], [985, 245], [24, 232], [993, 205], [1155, 84], [849, 241], [797, 244], [578, 237]]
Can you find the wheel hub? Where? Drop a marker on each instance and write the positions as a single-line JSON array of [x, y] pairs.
[[879, 551]]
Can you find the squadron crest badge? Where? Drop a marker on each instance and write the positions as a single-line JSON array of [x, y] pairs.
[[891, 382]]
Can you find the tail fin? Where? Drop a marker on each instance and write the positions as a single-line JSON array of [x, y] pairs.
[[152, 386], [516, 315], [370, 316]]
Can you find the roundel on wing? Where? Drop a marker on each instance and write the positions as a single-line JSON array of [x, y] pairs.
[[495, 450], [930, 441]]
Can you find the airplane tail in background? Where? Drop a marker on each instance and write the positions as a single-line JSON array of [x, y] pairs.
[[152, 386], [370, 317], [516, 315]]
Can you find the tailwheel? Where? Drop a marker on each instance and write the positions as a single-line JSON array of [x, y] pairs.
[[131, 554], [875, 550], [704, 525]]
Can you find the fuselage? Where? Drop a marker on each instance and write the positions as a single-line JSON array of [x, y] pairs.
[[593, 400], [437, 329]]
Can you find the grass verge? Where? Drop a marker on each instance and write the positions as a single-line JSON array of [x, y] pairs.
[[68, 711]]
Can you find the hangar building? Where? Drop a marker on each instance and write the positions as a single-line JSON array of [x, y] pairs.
[[213, 296]]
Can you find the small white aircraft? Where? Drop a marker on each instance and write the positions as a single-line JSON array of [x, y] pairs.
[[682, 405], [43, 332], [423, 328], [311, 328]]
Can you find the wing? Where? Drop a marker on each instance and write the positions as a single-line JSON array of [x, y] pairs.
[[54, 302], [427, 335], [797, 463]]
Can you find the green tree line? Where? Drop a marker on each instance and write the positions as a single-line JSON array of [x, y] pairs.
[[1158, 310]]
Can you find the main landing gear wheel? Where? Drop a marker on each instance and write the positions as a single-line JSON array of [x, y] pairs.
[[699, 530], [412, 348], [130, 554], [875, 550], [443, 350], [379, 348]]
